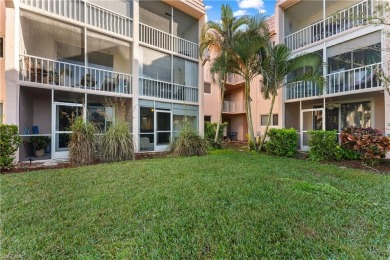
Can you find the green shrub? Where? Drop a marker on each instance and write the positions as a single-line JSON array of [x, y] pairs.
[[209, 133], [117, 144], [369, 143], [323, 145], [282, 142], [189, 142], [9, 143], [82, 142], [39, 142]]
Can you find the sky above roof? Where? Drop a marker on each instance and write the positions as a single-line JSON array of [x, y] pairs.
[[240, 7]]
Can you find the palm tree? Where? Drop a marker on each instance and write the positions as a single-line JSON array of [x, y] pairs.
[[218, 37], [277, 64], [246, 60]]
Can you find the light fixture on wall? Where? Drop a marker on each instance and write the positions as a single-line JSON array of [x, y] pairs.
[[331, 105]]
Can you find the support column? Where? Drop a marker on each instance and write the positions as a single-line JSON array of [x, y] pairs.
[[135, 84], [201, 83], [11, 59]]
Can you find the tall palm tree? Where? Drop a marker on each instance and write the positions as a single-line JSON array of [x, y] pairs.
[[277, 64], [246, 60], [218, 37]]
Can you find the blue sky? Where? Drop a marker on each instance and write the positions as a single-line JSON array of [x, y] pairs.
[[240, 7]]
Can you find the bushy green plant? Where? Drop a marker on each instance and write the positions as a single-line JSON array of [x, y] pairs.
[[117, 144], [82, 142], [39, 142], [189, 142], [209, 133], [323, 145], [9, 143], [282, 142], [369, 143]]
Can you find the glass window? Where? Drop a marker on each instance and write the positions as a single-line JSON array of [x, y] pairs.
[[356, 114], [185, 72], [207, 88], [146, 140], [207, 118], [156, 65], [275, 119], [101, 116], [1, 113], [263, 120], [1, 47]]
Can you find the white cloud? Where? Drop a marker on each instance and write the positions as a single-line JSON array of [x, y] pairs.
[[240, 12], [246, 4], [262, 11], [208, 7]]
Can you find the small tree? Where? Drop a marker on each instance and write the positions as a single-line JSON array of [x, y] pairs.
[[218, 37], [276, 64], [9, 143]]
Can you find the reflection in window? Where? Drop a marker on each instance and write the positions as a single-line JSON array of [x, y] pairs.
[[101, 116], [356, 114]]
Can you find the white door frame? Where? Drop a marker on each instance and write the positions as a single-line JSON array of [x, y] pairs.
[[302, 131], [161, 148], [64, 153]]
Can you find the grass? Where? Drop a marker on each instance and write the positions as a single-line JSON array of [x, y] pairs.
[[224, 205]]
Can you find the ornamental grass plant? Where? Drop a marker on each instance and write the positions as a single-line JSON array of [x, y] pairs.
[[189, 142], [82, 142]]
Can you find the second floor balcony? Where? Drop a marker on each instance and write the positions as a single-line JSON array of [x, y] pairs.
[[118, 22], [233, 106], [335, 23], [365, 78], [234, 79], [36, 70], [167, 90]]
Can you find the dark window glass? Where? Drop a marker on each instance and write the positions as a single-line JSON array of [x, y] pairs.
[[1, 47], [275, 119], [207, 88], [263, 120]]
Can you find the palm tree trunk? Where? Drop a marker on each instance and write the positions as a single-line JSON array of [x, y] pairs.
[[268, 123], [220, 109], [252, 141]]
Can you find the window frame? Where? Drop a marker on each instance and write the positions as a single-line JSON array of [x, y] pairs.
[[2, 47], [272, 120], [204, 88]]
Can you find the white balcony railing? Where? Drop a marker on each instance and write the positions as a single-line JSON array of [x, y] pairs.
[[167, 90], [166, 41], [72, 9], [63, 74], [342, 21], [155, 37], [353, 80], [233, 106], [185, 47], [108, 20], [301, 89], [361, 78], [86, 12], [233, 78]]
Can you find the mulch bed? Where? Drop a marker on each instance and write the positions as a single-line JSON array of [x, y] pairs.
[[37, 165]]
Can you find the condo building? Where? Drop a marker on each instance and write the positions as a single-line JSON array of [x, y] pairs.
[[353, 51], [102, 60], [233, 107]]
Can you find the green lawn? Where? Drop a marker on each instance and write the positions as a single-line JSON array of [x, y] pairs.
[[224, 205]]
